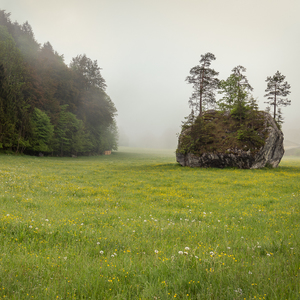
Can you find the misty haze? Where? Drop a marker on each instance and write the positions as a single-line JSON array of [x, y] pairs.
[[146, 50], [149, 149]]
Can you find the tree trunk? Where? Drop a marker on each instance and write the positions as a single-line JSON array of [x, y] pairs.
[[275, 104]]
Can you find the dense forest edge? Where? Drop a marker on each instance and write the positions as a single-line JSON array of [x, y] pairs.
[[46, 106]]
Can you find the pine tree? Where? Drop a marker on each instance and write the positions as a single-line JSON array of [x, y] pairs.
[[204, 83], [279, 118], [236, 90], [277, 89]]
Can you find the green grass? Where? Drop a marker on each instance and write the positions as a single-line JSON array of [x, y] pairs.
[[241, 227]]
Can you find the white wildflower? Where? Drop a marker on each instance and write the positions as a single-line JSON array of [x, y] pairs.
[[239, 291], [180, 252], [101, 252], [187, 248], [156, 251]]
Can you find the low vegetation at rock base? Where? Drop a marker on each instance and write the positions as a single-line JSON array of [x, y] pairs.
[[139, 226]]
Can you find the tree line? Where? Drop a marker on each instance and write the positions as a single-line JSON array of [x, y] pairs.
[[236, 91], [47, 106]]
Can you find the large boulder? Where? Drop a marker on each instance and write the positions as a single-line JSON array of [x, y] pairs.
[[269, 154]]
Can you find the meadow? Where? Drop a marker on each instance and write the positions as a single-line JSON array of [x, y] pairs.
[[136, 225]]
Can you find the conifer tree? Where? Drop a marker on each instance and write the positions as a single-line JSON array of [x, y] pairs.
[[236, 90], [277, 91], [204, 83]]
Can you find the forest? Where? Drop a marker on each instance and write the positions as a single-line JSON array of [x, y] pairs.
[[46, 106]]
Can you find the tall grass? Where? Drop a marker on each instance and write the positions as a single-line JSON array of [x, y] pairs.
[[136, 225]]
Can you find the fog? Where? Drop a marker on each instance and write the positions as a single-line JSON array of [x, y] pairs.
[[146, 49]]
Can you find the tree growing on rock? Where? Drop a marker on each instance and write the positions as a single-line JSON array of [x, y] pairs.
[[277, 91], [236, 90], [204, 83]]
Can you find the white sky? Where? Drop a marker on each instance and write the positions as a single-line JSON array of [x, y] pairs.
[[147, 47]]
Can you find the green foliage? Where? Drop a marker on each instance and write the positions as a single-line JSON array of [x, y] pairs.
[[42, 132], [204, 83], [250, 135], [199, 133], [14, 109], [277, 91], [217, 131], [239, 110], [72, 97], [236, 91], [69, 135], [238, 124]]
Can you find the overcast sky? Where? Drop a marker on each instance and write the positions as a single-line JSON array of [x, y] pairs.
[[147, 47]]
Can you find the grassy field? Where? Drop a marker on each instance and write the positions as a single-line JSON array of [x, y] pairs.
[[136, 225]]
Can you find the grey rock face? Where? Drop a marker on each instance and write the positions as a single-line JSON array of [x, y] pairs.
[[270, 154]]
